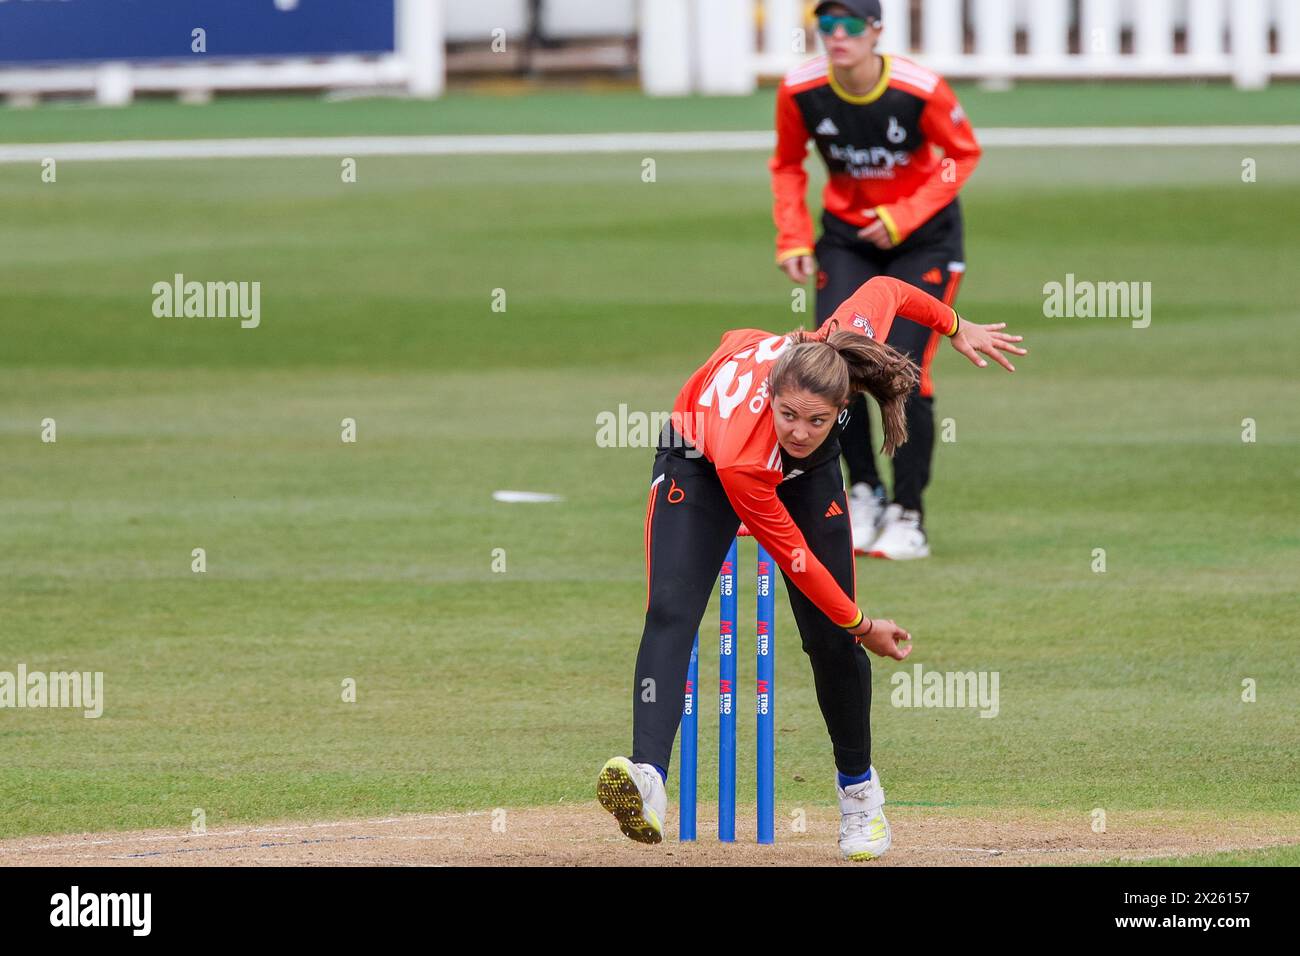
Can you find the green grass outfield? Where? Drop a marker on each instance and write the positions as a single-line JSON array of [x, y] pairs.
[[478, 689], [575, 111]]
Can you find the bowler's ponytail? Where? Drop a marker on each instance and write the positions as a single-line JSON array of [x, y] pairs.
[[846, 362]]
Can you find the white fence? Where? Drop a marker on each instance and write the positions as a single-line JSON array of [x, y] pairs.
[[983, 39], [704, 46], [1221, 38]]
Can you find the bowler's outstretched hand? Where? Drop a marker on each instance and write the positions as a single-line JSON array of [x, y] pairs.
[[973, 338]]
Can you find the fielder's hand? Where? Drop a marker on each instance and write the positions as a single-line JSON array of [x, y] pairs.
[[875, 232], [883, 638], [973, 338], [799, 268]]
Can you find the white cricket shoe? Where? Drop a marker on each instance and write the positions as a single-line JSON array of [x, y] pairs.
[[634, 793], [901, 537], [866, 506], [864, 831]]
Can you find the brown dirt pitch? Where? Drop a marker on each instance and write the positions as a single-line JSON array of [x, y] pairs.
[[586, 835]]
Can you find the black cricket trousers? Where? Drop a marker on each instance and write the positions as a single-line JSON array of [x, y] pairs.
[[931, 259], [689, 527]]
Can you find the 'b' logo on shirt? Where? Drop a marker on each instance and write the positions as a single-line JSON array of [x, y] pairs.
[[895, 133]]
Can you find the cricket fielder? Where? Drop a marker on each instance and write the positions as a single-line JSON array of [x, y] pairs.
[[890, 209]]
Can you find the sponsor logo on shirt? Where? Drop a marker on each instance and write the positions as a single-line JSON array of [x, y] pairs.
[[872, 162], [827, 127]]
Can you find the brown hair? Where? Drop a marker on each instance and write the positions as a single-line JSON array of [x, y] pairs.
[[844, 363]]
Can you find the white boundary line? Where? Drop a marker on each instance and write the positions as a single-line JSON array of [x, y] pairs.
[[335, 146]]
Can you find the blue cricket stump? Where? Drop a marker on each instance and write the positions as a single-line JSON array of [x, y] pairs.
[[690, 743], [765, 701], [727, 697], [765, 635]]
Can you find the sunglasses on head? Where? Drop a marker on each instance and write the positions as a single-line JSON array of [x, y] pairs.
[[853, 26]]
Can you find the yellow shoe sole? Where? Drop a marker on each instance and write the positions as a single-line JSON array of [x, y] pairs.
[[863, 855], [617, 792]]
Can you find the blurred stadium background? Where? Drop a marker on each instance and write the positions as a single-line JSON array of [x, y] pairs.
[[672, 47]]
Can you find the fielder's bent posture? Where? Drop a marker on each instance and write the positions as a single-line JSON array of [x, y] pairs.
[[754, 437]]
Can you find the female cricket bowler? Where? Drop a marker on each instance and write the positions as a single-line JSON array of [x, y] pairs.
[[754, 437], [890, 208]]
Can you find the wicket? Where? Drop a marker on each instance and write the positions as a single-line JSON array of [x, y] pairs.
[[765, 709]]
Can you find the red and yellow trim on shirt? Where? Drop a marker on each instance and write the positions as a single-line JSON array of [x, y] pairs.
[[890, 226], [791, 253], [873, 94], [855, 622]]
